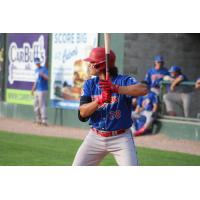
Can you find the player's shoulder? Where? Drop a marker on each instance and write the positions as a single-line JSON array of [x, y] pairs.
[[165, 70], [154, 71], [152, 94], [92, 81], [140, 98], [44, 68], [151, 70], [162, 71]]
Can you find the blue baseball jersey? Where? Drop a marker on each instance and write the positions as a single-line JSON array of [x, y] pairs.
[[115, 115], [148, 101], [41, 83], [154, 77]]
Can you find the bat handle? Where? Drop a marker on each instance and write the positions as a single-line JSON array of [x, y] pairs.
[[107, 67]]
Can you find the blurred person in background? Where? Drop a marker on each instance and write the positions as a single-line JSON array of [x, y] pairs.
[[177, 94], [155, 75], [145, 113], [40, 92]]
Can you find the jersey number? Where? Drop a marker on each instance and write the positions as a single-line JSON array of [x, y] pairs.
[[115, 115]]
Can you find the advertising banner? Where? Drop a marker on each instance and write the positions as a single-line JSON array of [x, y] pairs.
[[68, 71], [22, 49]]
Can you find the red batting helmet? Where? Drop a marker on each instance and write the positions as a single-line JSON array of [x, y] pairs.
[[98, 55]]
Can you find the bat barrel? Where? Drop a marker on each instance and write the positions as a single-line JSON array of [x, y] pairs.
[[107, 52]]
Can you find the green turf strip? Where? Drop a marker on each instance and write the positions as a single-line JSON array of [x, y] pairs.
[[31, 150]]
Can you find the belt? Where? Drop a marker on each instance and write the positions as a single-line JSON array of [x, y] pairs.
[[108, 133]]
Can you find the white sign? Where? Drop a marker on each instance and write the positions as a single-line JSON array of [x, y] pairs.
[[68, 71]]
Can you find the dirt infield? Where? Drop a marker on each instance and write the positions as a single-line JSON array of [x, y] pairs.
[[158, 141]]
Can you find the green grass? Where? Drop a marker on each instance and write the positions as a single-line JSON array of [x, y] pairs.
[[31, 150]]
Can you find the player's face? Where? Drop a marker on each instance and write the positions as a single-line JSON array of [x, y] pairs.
[[93, 71], [173, 74], [38, 64], [158, 65]]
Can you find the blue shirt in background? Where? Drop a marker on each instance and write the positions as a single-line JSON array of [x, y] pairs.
[[41, 83], [154, 77], [148, 101]]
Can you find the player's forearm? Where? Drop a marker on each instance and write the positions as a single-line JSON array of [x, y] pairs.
[[176, 82], [137, 110], [45, 77], [134, 90], [197, 85], [86, 110]]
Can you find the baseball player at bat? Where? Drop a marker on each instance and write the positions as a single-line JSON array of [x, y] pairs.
[[110, 122]]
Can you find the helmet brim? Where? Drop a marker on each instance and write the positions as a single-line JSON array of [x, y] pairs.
[[94, 61], [89, 59]]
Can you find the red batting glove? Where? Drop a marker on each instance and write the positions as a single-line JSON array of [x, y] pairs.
[[104, 98], [106, 85]]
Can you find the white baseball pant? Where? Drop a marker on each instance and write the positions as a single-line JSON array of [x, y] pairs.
[[173, 98], [95, 147], [40, 102]]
